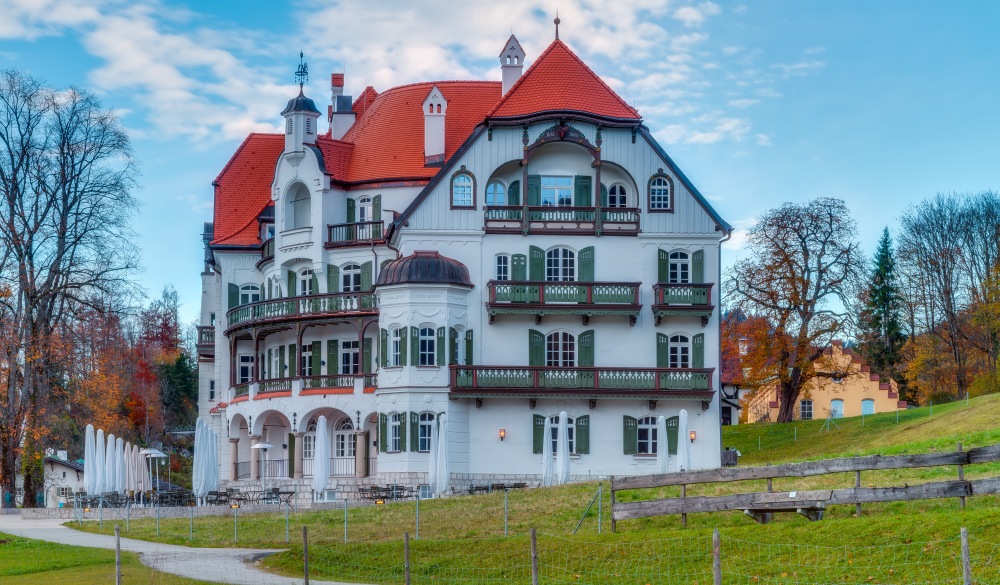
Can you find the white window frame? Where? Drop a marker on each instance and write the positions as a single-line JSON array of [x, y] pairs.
[[560, 265], [647, 445], [427, 347], [679, 267], [618, 196], [659, 193], [496, 194], [363, 205], [306, 282], [343, 438], [561, 350], [244, 372], [249, 293], [571, 435], [350, 358], [308, 446], [461, 190], [806, 409], [396, 346], [556, 191], [424, 427], [395, 440], [502, 265], [306, 361], [679, 354], [350, 278]]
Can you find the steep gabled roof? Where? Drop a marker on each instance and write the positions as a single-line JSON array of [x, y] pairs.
[[364, 100], [560, 81], [243, 189]]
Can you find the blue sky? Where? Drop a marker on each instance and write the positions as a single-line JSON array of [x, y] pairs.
[[879, 103]]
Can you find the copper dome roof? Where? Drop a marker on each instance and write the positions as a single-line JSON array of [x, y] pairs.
[[424, 267]]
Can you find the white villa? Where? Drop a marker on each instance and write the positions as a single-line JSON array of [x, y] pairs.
[[496, 251]]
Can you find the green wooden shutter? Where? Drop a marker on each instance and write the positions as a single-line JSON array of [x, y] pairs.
[[536, 348], [439, 346], [536, 269], [351, 214], [468, 347], [383, 433], [292, 361], [452, 346], [663, 266], [672, 424], [332, 351], [534, 190], [537, 433], [514, 193], [366, 276], [583, 191], [586, 264], [315, 358], [414, 431], [314, 284], [366, 355], [698, 351], [291, 455], [518, 267], [415, 346], [604, 195], [403, 335], [291, 284], [585, 359], [698, 266], [234, 295], [383, 348], [377, 208], [332, 278], [583, 434], [281, 362], [263, 290], [630, 435], [662, 351], [267, 365]]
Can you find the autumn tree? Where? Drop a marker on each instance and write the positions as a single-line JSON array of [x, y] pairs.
[[801, 271], [880, 325]]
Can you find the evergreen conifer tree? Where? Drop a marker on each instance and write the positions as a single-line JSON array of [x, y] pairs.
[[881, 331]]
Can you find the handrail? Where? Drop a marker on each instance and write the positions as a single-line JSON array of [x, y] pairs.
[[304, 305], [274, 385], [517, 291], [354, 232], [330, 381], [598, 378], [267, 249], [665, 293]]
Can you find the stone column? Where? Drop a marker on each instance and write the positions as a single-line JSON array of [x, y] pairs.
[[360, 453], [254, 458], [234, 458], [298, 454]]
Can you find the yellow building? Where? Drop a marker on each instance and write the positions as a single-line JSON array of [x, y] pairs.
[[857, 391]]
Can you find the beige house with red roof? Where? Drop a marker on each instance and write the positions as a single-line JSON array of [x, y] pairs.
[[463, 260]]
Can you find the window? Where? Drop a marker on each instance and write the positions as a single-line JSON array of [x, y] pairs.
[[275, 364], [396, 347], [646, 434], [268, 231], [659, 194], [306, 278], [680, 351], [560, 265], [503, 267], [395, 420], [679, 268], [617, 196], [557, 192], [424, 432], [249, 293], [350, 278], [428, 355], [246, 368], [309, 126], [65, 492], [461, 190], [867, 406], [211, 389], [570, 435], [744, 346], [300, 206], [496, 194], [309, 446], [349, 358], [275, 286], [806, 410], [211, 319], [364, 209], [307, 360], [343, 438], [560, 350], [836, 408]]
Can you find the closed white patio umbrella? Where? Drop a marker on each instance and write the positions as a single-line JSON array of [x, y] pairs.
[[129, 464], [89, 456], [197, 467], [443, 475], [547, 471], [562, 450], [432, 459], [120, 465], [683, 455], [109, 465], [99, 471], [321, 460], [662, 448]]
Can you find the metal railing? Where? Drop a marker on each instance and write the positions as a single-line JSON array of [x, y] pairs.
[[591, 293], [267, 249], [340, 381], [275, 385], [346, 234], [242, 469], [682, 294], [241, 390], [611, 379], [312, 305]]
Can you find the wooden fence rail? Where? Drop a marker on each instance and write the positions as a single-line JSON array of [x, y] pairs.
[[760, 505]]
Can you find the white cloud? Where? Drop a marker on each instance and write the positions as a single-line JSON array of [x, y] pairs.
[[696, 15], [738, 241], [743, 103], [814, 50], [800, 68], [725, 129], [763, 140]]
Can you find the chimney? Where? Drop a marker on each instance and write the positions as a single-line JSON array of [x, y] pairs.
[[341, 112], [435, 108], [511, 63]]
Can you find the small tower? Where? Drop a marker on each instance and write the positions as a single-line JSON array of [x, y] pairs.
[[435, 108], [300, 114], [511, 63]]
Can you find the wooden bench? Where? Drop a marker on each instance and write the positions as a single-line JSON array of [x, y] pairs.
[[810, 504]]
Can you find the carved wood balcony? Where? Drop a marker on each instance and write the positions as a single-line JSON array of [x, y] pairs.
[[518, 219], [363, 233], [682, 299], [508, 297], [592, 382], [305, 308], [206, 342]]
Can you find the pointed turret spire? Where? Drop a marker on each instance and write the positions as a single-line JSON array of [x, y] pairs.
[[556, 22]]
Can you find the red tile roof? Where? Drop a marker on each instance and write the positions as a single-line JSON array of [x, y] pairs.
[[243, 189], [559, 80], [364, 100]]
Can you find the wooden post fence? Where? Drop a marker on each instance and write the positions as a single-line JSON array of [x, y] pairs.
[[305, 555], [961, 477], [716, 557], [406, 558], [118, 555], [966, 562], [534, 558]]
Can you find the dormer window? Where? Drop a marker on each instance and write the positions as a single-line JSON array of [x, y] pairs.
[[462, 190], [660, 193]]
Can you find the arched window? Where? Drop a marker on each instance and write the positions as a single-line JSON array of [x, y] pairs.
[[428, 351], [364, 206], [679, 269], [806, 410], [646, 435], [496, 194], [424, 432], [396, 347], [350, 278], [299, 208], [249, 293], [343, 438], [867, 406], [560, 350], [660, 193], [560, 265], [306, 279], [462, 190], [680, 351], [618, 196], [836, 408], [570, 433], [503, 267]]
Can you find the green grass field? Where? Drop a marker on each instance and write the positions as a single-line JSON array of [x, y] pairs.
[[461, 538]]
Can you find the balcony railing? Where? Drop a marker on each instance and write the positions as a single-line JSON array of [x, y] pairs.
[[242, 469], [339, 467], [241, 390], [530, 381], [371, 380], [582, 298], [275, 468], [206, 341], [275, 385], [682, 299], [331, 305], [561, 220], [267, 249], [353, 234], [341, 381]]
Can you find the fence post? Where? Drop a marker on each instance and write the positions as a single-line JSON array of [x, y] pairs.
[[505, 511], [406, 558], [684, 493], [118, 555], [345, 520], [191, 527], [600, 504], [961, 477], [534, 558], [857, 485], [716, 557], [417, 536], [614, 523], [966, 561], [305, 555]]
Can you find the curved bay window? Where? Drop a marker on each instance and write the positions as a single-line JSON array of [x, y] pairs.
[[427, 349]]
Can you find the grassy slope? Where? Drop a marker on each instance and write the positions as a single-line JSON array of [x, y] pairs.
[[629, 556]]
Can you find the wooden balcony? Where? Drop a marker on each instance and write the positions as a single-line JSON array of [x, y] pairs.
[[507, 297], [266, 251], [592, 221], [364, 233], [596, 382], [313, 307], [682, 299], [206, 342]]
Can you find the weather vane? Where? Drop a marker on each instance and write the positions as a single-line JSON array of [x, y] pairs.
[[302, 73]]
